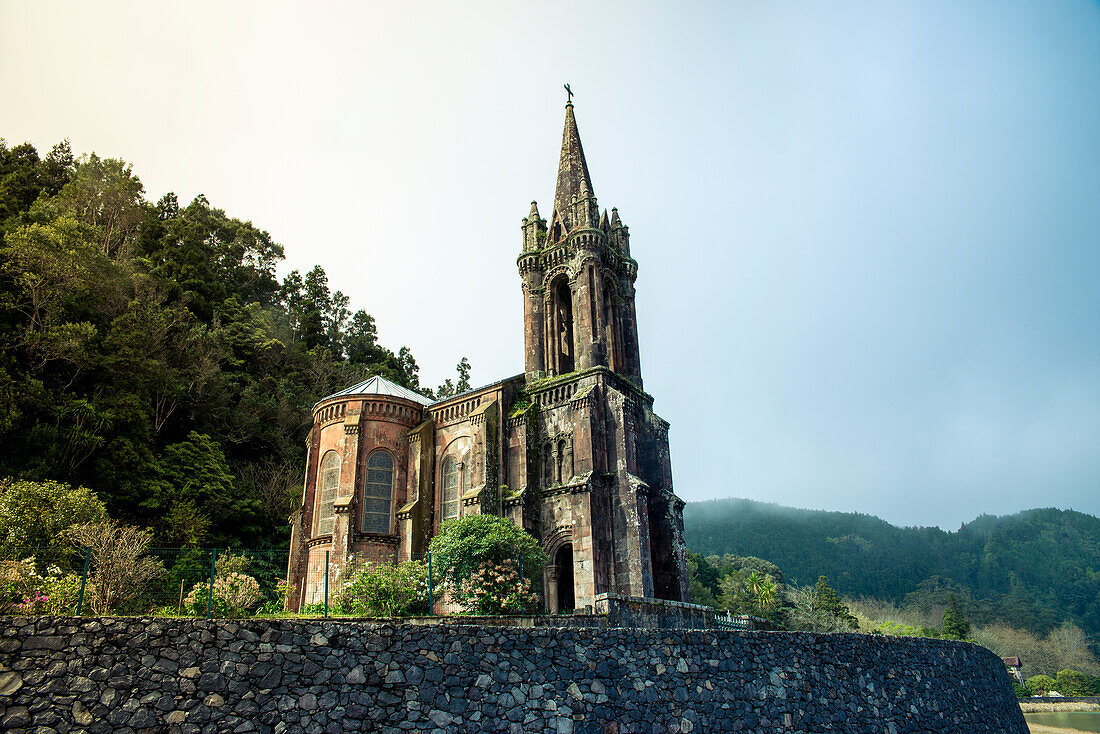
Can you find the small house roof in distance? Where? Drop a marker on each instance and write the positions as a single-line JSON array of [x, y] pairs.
[[378, 385]]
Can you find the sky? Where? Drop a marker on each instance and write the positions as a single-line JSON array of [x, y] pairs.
[[867, 232]]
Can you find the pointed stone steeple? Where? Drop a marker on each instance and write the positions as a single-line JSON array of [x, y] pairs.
[[573, 178]]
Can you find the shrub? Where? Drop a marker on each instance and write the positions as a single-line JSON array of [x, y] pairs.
[[1074, 683], [120, 569], [1040, 685], [496, 588], [379, 590], [278, 604], [463, 545], [23, 590], [235, 593]]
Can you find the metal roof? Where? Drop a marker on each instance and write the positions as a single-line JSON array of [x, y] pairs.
[[379, 386]]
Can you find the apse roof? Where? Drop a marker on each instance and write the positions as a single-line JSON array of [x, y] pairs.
[[380, 386]]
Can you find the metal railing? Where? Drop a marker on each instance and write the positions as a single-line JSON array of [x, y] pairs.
[[159, 582]]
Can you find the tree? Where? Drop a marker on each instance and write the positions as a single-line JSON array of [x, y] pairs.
[[449, 388], [1075, 683], [820, 609], [149, 350], [361, 341], [463, 370], [409, 368], [955, 624], [37, 514], [104, 193]]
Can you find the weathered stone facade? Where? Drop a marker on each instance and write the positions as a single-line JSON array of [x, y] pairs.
[[197, 676], [571, 450]]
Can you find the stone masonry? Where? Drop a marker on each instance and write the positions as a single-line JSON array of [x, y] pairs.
[[188, 676], [571, 450]]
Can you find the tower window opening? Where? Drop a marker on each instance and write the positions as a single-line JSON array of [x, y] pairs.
[[562, 331]]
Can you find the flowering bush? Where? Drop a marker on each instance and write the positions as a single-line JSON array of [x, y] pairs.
[[380, 590], [496, 588], [23, 590], [235, 592], [478, 556]]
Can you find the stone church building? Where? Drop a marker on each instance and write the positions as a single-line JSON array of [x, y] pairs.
[[570, 450]]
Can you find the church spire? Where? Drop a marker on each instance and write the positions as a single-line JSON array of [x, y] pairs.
[[573, 178]]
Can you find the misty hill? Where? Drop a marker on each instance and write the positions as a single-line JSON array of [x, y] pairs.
[[1035, 569]]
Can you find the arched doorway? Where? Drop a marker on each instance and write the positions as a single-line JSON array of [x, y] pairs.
[[563, 559]]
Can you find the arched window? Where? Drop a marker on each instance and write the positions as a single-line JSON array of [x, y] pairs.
[[378, 493], [547, 466], [326, 494], [451, 487], [611, 325], [563, 328]]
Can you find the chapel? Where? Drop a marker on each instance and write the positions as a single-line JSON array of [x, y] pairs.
[[570, 450]]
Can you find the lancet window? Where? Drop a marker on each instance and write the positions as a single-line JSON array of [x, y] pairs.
[[452, 487], [378, 492], [326, 495]]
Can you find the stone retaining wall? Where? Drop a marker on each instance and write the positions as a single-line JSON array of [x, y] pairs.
[[64, 674], [633, 611]]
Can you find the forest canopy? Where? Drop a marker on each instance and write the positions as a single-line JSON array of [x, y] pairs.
[[149, 352]]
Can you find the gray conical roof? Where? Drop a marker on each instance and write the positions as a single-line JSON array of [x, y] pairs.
[[379, 386]]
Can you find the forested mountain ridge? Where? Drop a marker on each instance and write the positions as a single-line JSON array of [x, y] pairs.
[[1034, 569], [149, 352]]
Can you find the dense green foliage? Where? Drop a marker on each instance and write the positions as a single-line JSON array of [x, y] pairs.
[[35, 515], [488, 563], [149, 352], [955, 624], [465, 544], [1033, 570], [753, 586], [381, 590]]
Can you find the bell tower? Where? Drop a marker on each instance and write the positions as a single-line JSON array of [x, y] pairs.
[[578, 278], [590, 453]]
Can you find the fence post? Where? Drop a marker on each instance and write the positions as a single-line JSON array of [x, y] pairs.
[[326, 584], [210, 590], [431, 604], [84, 580], [522, 608]]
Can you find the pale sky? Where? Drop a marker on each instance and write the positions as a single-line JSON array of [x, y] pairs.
[[867, 233]]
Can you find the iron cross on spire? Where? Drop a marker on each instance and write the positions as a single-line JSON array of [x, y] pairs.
[[569, 92]]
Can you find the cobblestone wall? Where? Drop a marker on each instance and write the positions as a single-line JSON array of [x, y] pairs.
[[171, 675]]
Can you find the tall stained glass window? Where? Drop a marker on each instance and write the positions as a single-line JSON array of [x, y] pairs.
[[378, 493], [450, 488], [326, 497]]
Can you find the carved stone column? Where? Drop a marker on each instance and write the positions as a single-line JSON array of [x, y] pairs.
[[553, 573]]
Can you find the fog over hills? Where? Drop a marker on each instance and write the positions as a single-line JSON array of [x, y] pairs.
[[1034, 569]]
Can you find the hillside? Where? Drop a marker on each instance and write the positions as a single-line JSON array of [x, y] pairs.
[[149, 352], [1034, 569]]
